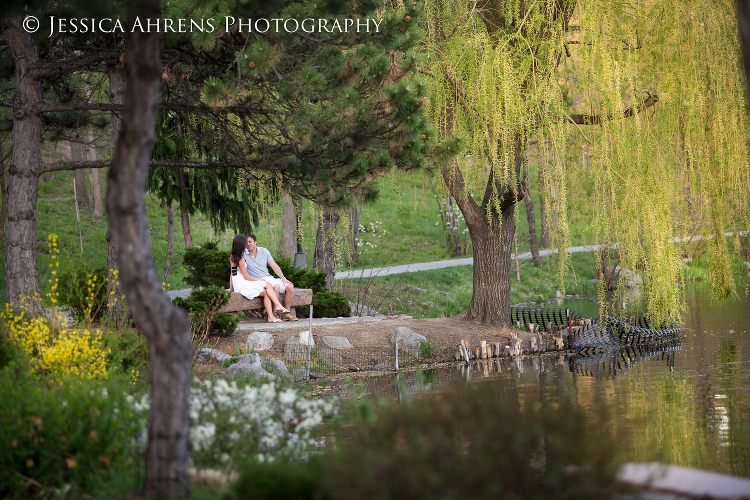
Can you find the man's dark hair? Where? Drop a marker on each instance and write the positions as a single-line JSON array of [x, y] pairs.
[[253, 237]]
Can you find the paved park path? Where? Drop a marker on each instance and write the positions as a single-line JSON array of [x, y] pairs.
[[440, 264]]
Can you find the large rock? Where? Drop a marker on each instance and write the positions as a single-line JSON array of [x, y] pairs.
[[331, 356], [295, 347], [205, 354], [407, 338], [337, 342], [259, 341], [249, 364], [276, 367], [363, 310], [303, 338]]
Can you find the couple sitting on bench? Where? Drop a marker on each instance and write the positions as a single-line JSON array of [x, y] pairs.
[[250, 277]]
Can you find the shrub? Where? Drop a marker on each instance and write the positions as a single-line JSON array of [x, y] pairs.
[[203, 308], [207, 265], [325, 304], [56, 352], [231, 422], [129, 351], [471, 442], [67, 437], [84, 291], [428, 348]]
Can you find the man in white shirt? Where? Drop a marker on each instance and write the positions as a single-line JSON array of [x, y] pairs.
[[257, 260]]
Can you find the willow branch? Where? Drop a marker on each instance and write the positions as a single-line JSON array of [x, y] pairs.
[[588, 119]]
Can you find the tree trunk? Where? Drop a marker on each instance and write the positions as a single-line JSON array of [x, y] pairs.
[[170, 239], [96, 185], [356, 217], [287, 242], [165, 326], [544, 241], [493, 246], [325, 244], [21, 269], [449, 218], [3, 193], [116, 306], [491, 227], [535, 257], [79, 177], [185, 211], [116, 96]]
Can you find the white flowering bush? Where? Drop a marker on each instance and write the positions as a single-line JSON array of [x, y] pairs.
[[231, 422]]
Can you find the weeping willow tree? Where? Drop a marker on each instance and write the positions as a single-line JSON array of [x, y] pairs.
[[652, 90]]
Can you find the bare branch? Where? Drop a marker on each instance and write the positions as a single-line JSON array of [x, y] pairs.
[[200, 108], [75, 165], [74, 64], [587, 119]]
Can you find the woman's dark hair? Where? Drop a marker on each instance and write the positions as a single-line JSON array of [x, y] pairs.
[[238, 246]]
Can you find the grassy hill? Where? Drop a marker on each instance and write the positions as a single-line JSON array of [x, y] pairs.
[[401, 227]]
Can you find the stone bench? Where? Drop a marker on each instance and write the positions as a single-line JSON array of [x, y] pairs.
[[302, 297]]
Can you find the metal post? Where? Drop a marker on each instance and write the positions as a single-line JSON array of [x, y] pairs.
[[78, 217], [397, 355], [570, 329], [309, 343]]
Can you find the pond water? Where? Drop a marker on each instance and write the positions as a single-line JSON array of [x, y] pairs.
[[686, 405]]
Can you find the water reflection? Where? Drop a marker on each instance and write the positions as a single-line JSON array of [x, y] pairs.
[[685, 404]]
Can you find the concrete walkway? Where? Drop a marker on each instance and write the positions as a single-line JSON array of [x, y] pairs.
[[440, 264]]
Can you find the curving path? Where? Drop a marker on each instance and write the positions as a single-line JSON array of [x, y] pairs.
[[439, 264]]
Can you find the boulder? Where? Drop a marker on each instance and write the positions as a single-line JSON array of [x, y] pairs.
[[299, 373], [295, 347], [331, 356], [277, 368], [415, 289], [407, 337], [249, 364], [303, 338], [337, 342], [447, 294], [363, 310], [205, 354], [259, 341]]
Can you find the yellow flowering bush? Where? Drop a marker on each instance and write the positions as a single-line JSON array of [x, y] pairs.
[[57, 352]]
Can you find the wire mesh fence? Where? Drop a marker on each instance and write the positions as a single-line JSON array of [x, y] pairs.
[[328, 361]]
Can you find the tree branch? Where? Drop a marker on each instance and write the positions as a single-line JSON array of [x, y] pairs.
[[71, 65], [76, 165], [97, 106], [587, 119]]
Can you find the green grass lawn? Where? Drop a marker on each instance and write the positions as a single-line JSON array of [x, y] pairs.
[[402, 226], [389, 295]]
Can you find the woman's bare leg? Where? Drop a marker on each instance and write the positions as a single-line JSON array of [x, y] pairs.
[[274, 298], [268, 305]]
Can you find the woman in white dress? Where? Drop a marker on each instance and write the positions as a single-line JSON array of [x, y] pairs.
[[250, 287]]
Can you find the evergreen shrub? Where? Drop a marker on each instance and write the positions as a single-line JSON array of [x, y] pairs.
[[207, 265], [325, 304], [203, 308]]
